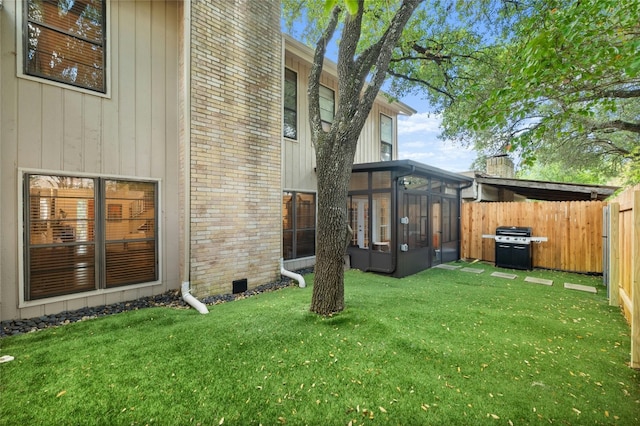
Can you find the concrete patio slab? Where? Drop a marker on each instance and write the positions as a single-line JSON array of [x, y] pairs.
[[445, 266], [503, 275], [538, 281], [473, 270], [580, 287]]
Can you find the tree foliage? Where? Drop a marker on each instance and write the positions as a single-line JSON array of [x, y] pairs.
[[565, 89]]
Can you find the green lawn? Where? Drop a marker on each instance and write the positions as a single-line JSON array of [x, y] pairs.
[[440, 347]]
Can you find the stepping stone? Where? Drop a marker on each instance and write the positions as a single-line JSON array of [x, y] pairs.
[[473, 270], [445, 266], [503, 275], [538, 281], [579, 287]]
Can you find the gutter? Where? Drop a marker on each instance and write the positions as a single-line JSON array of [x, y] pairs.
[[185, 288]]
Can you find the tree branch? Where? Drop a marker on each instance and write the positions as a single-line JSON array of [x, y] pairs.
[[316, 71], [421, 82], [389, 41], [619, 125]]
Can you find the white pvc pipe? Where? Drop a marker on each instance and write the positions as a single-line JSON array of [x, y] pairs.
[[185, 289], [293, 275], [188, 298]]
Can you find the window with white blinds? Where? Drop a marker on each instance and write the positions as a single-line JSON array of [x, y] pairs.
[[84, 234], [64, 41]]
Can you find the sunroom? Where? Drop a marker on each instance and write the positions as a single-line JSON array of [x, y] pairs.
[[405, 216]]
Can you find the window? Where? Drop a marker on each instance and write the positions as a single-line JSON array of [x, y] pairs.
[[327, 105], [290, 127], [386, 138], [85, 234], [64, 41], [298, 225]]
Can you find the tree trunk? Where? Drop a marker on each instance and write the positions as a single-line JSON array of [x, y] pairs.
[[333, 172], [335, 149]]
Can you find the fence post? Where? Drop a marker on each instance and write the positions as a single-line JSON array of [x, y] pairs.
[[614, 254], [635, 281]]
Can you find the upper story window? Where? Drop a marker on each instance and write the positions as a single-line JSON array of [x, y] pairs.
[[64, 41], [386, 138], [327, 105], [290, 125]]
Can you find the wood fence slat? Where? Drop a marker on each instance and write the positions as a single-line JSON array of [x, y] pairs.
[[635, 281], [614, 254]]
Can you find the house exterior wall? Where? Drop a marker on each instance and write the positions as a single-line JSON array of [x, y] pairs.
[[236, 128], [299, 162], [132, 132], [195, 103]]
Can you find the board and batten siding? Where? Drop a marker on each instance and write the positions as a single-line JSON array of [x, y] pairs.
[[133, 132], [299, 160]]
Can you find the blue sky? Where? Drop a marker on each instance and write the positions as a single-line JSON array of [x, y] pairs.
[[418, 140]]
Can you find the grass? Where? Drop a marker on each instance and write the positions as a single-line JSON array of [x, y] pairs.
[[439, 347]]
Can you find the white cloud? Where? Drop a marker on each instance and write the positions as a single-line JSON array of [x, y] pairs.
[[418, 141], [420, 122]]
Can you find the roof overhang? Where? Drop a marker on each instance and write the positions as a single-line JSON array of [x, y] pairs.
[[550, 191], [413, 167]]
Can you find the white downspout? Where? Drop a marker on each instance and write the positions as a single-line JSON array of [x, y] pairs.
[[283, 271], [186, 94], [293, 275]]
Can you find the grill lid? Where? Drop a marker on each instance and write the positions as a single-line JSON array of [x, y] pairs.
[[514, 231]]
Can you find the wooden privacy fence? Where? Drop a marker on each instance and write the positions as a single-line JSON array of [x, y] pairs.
[[624, 255], [573, 229]]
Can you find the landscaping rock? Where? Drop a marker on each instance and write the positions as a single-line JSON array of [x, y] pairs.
[[171, 298]]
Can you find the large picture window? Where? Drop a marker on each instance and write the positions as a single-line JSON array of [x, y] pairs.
[[64, 41], [84, 234], [298, 225], [290, 125]]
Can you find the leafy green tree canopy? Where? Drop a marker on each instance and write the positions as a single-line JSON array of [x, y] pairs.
[[564, 89]]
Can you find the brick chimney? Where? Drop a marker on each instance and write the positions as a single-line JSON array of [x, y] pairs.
[[500, 166]]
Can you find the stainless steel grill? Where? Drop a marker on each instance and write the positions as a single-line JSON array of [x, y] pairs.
[[513, 247]]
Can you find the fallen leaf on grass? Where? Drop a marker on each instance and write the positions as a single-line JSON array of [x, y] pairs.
[[61, 393], [221, 421], [493, 416], [382, 409], [577, 411]]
